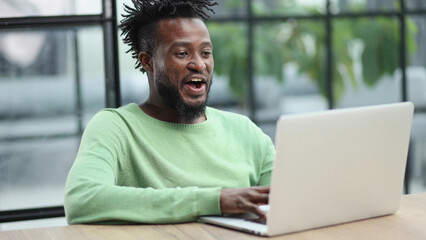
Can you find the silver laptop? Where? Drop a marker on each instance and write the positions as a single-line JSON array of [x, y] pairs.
[[333, 167]]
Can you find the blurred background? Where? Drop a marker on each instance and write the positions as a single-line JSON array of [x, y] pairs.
[[61, 63]]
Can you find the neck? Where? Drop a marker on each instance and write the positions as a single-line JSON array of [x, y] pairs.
[[168, 114]]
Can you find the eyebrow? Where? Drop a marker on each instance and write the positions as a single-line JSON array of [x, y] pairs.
[[186, 43]]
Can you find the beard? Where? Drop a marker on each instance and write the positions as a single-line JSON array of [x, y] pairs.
[[173, 99]]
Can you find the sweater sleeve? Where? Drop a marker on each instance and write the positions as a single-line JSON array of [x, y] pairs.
[[267, 163], [92, 194]]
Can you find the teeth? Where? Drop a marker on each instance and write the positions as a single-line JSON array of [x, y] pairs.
[[196, 80]]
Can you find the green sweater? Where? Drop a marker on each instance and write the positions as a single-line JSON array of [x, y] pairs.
[[134, 168]]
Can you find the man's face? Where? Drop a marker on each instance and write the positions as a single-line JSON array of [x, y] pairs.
[[183, 65]]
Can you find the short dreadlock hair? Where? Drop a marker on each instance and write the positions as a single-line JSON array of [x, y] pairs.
[[139, 25]]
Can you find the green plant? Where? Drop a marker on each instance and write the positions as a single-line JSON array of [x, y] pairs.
[[303, 42], [230, 54]]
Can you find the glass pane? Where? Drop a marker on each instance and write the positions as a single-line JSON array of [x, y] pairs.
[[229, 8], [230, 79], [342, 6], [225, 8], [366, 61], [92, 70], [23, 8], [133, 83], [415, 4], [416, 86], [44, 109], [288, 7], [289, 69], [416, 52]]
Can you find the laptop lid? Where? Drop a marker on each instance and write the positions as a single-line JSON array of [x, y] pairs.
[[338, 166]]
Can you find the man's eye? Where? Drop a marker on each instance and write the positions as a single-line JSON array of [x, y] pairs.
[[182, 54], [207, 53]]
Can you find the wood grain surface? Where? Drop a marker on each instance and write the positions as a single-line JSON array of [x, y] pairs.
[[408, 223]]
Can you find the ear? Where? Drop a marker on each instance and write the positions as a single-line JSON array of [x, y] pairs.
[[145, 59]]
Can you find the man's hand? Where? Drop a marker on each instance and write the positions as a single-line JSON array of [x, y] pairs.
[[241, 200]]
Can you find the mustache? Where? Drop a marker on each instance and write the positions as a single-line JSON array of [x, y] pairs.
[[189, 76]]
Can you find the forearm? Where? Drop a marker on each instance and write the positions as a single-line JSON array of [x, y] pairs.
[[92, 202]]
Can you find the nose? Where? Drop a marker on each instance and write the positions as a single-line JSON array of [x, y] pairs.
[[197, 64]]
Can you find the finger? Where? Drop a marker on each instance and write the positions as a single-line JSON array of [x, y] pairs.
[[262, 199], [259, 212], [262, 189], [258, 198], [256, 210]]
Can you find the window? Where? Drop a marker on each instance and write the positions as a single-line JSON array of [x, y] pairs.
[[313, 55], [56, 71]]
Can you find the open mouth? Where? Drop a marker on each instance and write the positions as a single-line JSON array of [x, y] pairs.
[[196, 84]]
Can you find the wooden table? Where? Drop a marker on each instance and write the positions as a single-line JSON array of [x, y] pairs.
[[408, 223]]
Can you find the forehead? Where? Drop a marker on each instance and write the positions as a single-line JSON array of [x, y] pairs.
[[182, 29]]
